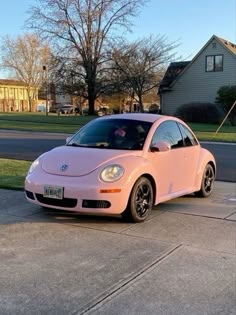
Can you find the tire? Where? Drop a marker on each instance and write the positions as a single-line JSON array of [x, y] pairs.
[[140, 201], [207, 184]]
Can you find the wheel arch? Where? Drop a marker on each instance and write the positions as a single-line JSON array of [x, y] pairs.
[[201, 170], [207, 182], [206, 157], [128, 213], [153, 183], [213, 165]]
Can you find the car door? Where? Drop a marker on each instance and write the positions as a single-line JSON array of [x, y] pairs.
[[191, 156], [169, 165]]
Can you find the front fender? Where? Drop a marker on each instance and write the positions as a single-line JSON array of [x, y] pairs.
[[135, 167]]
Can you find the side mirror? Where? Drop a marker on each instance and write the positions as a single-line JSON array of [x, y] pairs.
[[161, 146], [68, 139]]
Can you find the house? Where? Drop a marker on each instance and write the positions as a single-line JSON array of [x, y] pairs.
[[199, 80], [14, 96]]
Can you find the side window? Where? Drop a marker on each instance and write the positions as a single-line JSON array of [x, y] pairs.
[[169, 132], [189, 139]]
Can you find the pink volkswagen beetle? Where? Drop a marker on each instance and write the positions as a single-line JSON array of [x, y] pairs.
[[122, 164]]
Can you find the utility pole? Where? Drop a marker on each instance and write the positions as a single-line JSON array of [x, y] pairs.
[[225, 118], [45, 69]]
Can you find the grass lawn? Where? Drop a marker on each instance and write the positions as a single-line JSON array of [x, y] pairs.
[[41, 122], [12, 173], [71, 123]]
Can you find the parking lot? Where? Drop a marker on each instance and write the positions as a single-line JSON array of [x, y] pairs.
[[181, 261]]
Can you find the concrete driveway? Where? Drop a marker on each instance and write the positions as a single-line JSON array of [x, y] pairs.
[[182, 261]]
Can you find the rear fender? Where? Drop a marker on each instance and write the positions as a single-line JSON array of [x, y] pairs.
[[205, 158]]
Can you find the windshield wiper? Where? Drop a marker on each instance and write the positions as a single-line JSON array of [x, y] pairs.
[[100, 146], [74, 145]]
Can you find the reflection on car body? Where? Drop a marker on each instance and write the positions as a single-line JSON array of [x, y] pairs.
[[122, 164]]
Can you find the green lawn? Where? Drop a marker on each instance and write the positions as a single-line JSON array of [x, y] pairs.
[[41, 122], [12, 173], [71, 123]]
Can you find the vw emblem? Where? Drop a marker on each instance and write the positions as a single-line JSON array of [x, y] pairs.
[[64, 167]]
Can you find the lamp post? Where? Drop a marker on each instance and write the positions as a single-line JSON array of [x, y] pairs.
[[45, 69]]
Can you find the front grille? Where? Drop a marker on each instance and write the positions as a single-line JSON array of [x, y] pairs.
[[101, 204], [29, 194], [64, 203]]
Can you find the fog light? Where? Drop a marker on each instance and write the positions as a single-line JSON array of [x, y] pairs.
[[99, 204]]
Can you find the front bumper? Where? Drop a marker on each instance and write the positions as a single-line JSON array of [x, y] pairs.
[[81, 194]]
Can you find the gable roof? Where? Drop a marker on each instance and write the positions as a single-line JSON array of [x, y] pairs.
[[173, 70], [167, 82], [230, 46]]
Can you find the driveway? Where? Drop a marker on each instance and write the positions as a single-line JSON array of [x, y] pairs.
[[182, 261]]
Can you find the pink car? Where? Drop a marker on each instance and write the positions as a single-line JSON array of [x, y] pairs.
[[122, 164]]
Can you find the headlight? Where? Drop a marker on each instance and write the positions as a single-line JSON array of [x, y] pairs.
[[33, 166], [111, 173]]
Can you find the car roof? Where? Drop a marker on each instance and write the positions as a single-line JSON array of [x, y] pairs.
[[135, 116]]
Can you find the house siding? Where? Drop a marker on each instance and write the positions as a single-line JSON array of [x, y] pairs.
[[197, 85]]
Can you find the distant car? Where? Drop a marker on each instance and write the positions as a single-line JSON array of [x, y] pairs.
[[122, 164], [66, 109]]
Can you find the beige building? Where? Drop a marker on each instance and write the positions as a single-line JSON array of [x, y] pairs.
[[14, 96]]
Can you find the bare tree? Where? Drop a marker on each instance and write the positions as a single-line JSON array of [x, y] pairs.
[[68, 75], [24, 57], [140, 66], [84, 29]]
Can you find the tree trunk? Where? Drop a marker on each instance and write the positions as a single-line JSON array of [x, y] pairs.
[[140, 100], [30, 104], [91, 102], [91, 94], [29, 107]]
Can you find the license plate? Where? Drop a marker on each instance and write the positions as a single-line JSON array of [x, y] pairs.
[[55, 192]]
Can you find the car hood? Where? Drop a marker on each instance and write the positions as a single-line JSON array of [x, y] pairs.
[[78, 161]]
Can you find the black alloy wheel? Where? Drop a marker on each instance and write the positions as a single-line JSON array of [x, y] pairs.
[[208, 179], [140, 201]]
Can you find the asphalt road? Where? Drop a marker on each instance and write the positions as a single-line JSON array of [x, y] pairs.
[[28, 146], [225, 155]]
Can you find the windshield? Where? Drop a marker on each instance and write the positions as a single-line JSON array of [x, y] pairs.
[[121, 134]]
